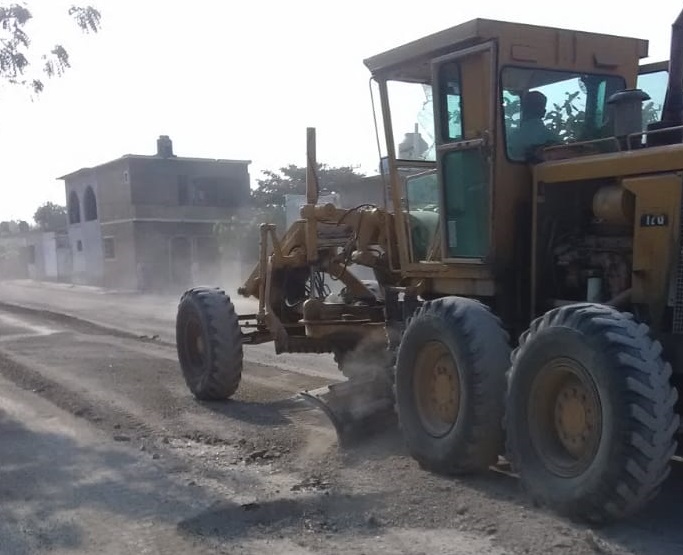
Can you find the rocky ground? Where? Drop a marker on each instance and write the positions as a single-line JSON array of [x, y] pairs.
[[105, 451]]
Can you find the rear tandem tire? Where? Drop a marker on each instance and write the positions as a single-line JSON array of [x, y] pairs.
[[450, 385], [590, 416], [209, 344]]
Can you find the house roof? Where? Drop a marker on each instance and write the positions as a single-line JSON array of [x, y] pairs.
[[152, 157]]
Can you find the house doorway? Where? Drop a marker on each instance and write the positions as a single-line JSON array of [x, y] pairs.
[[207, 260], [181, 262]]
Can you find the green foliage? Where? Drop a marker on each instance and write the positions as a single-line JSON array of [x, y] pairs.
[[15, 44], [268, 199], [567, 120], [512, 108], [291, 180], [651, 113], [51, 217], [267, 205]]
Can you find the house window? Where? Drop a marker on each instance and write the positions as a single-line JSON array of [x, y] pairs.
[[126, 179], [89, 205], [109, 251], [74, 208], [205, 191], [183, 195], [79, 245], [31, 254]]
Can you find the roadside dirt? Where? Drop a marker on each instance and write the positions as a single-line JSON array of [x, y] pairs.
[[146, 316], [267, 468]]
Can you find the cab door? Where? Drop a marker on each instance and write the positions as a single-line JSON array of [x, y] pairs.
[[464, 111]]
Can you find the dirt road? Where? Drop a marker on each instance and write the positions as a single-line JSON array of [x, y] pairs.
[[105, 451], [148, 315]]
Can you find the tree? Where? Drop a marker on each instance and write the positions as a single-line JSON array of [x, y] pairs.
[[268, 202], [51, 217], [13, 227], [268, 198], [291, 180], [15, 65]]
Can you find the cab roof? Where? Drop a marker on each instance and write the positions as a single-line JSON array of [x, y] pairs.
[[421, 51]]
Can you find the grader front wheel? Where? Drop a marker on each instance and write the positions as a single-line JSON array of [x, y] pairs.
[[209, 344], [450, 384], [590, 416]]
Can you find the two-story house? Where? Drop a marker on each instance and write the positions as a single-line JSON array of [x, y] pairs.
[[148, 222]]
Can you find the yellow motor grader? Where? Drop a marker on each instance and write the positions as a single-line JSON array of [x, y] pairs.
[[528, 291]]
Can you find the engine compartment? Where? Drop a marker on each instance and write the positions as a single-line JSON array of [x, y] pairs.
[[584, 243]]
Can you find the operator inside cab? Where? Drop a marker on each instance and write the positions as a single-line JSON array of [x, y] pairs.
[[531, 132]]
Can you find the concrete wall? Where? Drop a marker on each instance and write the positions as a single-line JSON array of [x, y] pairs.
[[171, 182], [43, 265], [50, 255], [149, 256], [86, 248], [173, 256], [120, 272], [64, 263], [114, 191], [35, 258], [112, 197]]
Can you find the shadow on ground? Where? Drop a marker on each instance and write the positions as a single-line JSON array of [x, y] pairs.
[[655, 530], [56, 493], [658, 528], [266, 413], [316, 512]]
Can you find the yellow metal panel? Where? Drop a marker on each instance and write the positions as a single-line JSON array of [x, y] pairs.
[[566, 48], [658, 201], [550, 45], [475, 74], [634, 162]]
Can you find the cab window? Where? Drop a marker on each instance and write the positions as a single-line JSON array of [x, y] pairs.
[[547, 107], [654, 84]]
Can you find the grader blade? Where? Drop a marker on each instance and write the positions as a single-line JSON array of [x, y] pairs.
[[357, 408]]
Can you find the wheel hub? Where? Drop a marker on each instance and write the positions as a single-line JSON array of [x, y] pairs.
[[574, 418], [565, 418], [437, 389], [443, 392]]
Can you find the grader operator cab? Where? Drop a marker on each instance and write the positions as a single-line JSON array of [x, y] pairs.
[[528, 300]]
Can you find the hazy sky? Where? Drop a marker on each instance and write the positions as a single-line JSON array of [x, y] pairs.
[[238, 79]]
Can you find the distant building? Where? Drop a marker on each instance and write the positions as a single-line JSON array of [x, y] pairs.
[[13, 257], [147, 222], [48, 256]]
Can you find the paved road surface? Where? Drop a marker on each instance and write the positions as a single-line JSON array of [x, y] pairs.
[[149, 315], [104, 451]]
